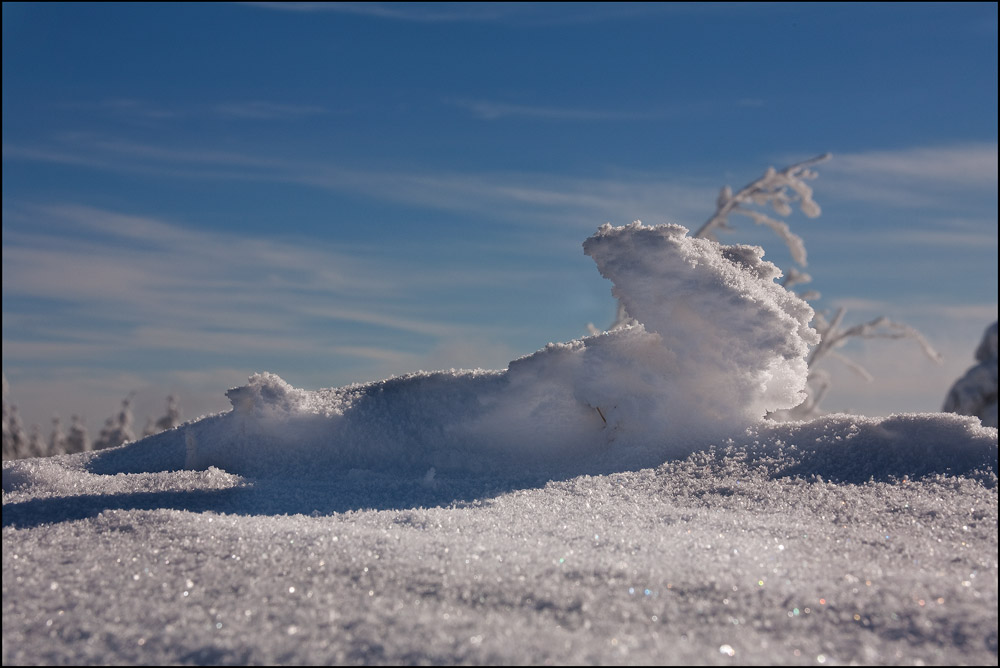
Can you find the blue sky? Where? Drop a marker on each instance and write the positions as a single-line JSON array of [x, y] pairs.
[[339, 192]]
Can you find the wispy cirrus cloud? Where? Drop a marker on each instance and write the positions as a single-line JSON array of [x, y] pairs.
[[257, 110], [488, 110], [129, 154], [942, 176], [416, 12], [973, 165], [531, 13], [958, 233], [130, 108], [517, 197], [912, 177], [151, 113], [491, 110], [949, 312]]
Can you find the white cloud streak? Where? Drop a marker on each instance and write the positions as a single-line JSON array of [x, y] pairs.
[[151, 114], [969, 165], [942, 177], [914, 177], [488, 110], [528, 13], [947, 312], [493, 110], [267, 110], [421, 13]]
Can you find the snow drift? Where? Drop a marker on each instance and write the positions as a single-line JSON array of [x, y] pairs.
[[718, 345]]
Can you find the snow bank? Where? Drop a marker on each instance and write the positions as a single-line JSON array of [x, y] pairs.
[[718, 558], [718, 345], [835, 449]]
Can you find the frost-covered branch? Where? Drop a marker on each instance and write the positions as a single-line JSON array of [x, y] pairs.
[[834, 337], [771, 189], [794, 277]]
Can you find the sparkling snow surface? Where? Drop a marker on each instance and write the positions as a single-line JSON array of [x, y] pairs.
[[617, 499]]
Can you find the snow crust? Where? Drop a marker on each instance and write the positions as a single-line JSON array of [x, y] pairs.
[[846, 539], [617, 499]]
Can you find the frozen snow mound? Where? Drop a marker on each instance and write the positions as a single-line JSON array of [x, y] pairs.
[[719, 344], [975, 393], [737, 338]]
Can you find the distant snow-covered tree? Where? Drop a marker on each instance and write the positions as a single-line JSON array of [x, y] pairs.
[[172, 418], [15, 440], [77, 440], [975, 393], [57, 439], [150, 428], [118, 429], [8, 437], [36, 445]]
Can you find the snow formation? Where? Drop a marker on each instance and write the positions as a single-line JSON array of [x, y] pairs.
[[975, 393], [718, 345]]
